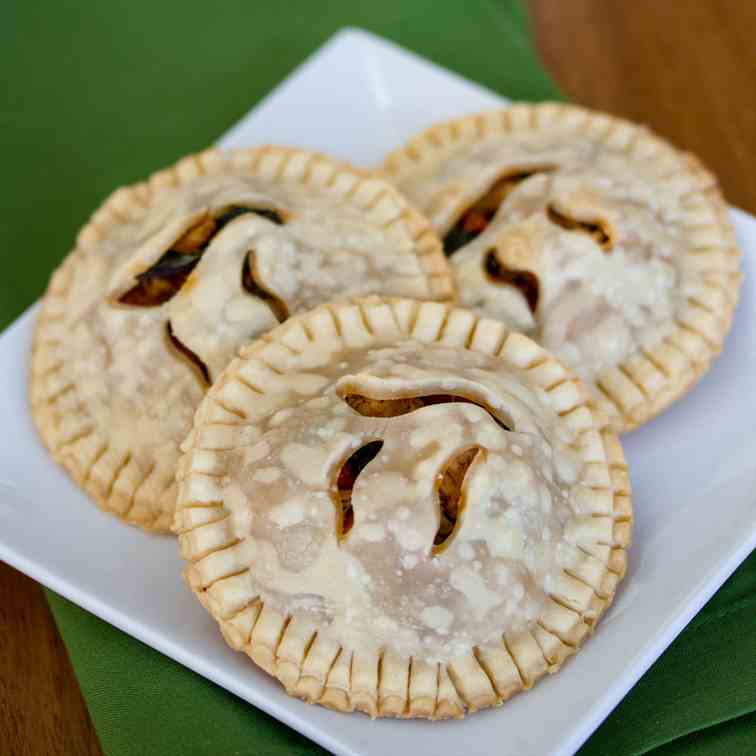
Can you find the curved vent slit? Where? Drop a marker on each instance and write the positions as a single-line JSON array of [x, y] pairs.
[[251, 286], [476, 218], [188, 355], [158, 284], [597, 230], [369, 407], [523, 280], [163, 280], [234, 211], [450, 500], [345, 480]]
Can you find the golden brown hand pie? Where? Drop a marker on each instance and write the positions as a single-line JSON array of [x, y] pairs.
[[171, 276], [598, 239], [401, 508]]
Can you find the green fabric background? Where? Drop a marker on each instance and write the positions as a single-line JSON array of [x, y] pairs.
[[97, 95]]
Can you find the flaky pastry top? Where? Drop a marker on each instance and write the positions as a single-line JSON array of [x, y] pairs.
[[593, 236], [391, 480]]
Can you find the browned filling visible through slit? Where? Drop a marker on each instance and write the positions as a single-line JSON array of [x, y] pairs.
[[367, 406], [449, 487], [524, 280], [159, 283], [251, 285], [476, 218], [162, 281], [347, 477], [597, 230], [450, 481], [184, 351]]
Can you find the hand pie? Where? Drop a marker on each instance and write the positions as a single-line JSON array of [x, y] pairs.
[[171, 276], [598, 239], [401, 508]]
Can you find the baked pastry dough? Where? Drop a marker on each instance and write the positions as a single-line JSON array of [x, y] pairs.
[[171, 276], [601, 241], [401, 508]]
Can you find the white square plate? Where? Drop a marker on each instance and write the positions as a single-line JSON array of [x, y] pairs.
[[693, 470]]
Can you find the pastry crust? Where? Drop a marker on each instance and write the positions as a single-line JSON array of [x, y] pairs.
[[658, 221], [316, 609], [170, 276]]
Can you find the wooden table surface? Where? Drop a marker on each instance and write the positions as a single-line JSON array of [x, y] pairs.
[[684, 67]]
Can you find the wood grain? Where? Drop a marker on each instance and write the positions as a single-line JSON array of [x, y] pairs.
[[41, 708], [684, 68]]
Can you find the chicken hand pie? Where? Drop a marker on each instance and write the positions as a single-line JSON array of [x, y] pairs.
[[402, 509], [601, 241], [171, 276]]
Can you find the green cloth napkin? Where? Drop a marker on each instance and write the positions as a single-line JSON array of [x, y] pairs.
[[99, 95]]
